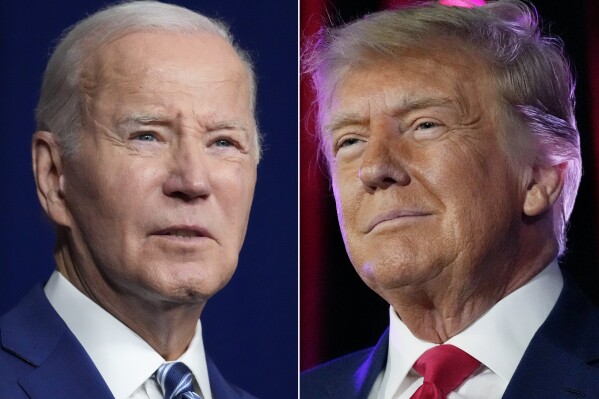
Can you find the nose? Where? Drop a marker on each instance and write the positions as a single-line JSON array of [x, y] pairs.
[[189, 176], [381, 165]]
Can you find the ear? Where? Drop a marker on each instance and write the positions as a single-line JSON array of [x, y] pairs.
[[544, 188], [48, 174]]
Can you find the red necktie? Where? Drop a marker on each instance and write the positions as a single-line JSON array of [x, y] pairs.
[[444, 368]]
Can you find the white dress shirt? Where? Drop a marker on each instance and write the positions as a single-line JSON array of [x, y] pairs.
[[123, 358], [497, 339]]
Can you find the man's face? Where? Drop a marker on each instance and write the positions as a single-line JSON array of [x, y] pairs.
[[160, 190], [426, 196]]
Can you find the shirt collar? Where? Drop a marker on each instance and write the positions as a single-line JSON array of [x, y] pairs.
[[497, 339], [122, 357]]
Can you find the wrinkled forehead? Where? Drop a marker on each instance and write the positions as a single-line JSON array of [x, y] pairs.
[[452, 76], [195, 79], [135, 56]]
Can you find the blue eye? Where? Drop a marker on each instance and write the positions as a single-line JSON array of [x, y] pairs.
[[146, 137], [223, 143]]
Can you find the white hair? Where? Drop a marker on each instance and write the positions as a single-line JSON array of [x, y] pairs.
[[60, 109], [529, 70]]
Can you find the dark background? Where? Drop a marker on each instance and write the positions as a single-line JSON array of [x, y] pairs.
[[250, 328], [339, 314]]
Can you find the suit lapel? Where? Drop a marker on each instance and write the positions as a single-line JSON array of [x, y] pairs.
[[561, 360], [365, 376], [65, 374], [349, 377], [61, 368]]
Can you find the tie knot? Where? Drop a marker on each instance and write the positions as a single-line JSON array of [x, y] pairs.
[[176, 381], [445, 367]]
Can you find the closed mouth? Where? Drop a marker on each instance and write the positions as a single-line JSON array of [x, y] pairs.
[[395, 215], [183, 232]]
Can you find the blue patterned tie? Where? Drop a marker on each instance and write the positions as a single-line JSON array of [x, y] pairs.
[[176, 381]]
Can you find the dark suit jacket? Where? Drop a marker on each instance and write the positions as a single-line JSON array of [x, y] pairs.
[[40, 358], [561, 361]]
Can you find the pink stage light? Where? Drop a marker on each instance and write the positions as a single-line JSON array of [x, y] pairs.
[[463, 3]]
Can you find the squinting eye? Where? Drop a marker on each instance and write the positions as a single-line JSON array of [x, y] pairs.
[[427, 125], [146, 137], [348, 142]]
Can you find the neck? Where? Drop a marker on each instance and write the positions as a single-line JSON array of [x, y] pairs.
[[440, 309], [167, 327]]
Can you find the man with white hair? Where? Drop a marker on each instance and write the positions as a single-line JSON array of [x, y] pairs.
[[145, 160], [454, 156]]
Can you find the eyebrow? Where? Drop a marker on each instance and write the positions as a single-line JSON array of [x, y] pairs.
[[144, 119], [164, 120], [343, 119], [231, 124]]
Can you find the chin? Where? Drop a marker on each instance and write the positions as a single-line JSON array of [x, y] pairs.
[[183, 293], [388, 274], [191, 284]]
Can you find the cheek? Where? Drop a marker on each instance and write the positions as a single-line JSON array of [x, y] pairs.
[[115, 192], [136, 181], [233, 185], [86, 192], [240, 181], [338, 195], [478, 189], [133, 188], [348, 194]]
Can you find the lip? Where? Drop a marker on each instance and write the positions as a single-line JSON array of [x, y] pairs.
[[188, 232], [397, 214]]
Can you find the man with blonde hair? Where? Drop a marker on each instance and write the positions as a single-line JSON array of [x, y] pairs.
[[452, 147], [145, 160]]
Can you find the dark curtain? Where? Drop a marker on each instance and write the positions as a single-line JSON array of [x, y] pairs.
[[339, 314]]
